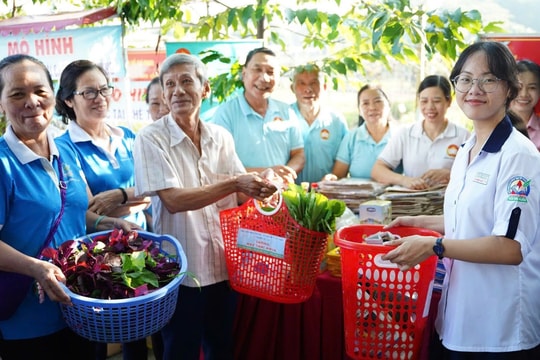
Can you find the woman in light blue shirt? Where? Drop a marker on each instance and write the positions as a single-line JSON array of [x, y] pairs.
[[360, 148]]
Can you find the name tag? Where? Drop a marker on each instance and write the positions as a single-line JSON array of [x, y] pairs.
[[481, 178]]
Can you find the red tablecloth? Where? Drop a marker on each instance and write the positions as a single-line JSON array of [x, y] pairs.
[[310, 330]]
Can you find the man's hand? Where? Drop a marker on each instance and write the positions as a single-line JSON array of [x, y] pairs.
[[286, 173], [255, 186]]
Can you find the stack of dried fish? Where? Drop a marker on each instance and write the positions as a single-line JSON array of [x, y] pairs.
[[351, 190], [411, 202]]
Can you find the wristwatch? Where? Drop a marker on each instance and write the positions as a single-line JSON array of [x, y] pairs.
[[438, 248]]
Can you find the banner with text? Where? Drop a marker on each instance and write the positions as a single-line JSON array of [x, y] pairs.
[[56, 49], [102, 45], [142, 66]]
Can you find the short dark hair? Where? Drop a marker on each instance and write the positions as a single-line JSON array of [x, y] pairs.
[[68, 84], [436, 81], [258, 50], [154, 81], [18, 58]]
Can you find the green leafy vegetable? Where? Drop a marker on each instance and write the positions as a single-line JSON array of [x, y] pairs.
[[134, 271], [313, 210]]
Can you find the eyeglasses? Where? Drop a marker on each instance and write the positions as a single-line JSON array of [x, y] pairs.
[[464, 83], [91, 94]]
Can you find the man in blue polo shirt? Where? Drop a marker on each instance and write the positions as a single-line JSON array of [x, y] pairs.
[[264, 131], [322, 128]]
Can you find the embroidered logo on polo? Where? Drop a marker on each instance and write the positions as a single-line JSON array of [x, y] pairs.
[[68, 173], [324, 134], [452, 150], [518, 189]]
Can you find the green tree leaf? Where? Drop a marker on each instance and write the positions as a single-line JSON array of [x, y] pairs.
[[367, 31]]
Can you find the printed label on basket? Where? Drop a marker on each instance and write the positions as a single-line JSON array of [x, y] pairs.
[[261, 242]]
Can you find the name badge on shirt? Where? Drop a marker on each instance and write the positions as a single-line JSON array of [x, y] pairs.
[[481, 178]]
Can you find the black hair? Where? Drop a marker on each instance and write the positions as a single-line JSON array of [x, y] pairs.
[[501, 63], [68, 85], [518, 123], [436, 81], [18, 58], [524, 66], [529, 65], [368, 86], [154, 81], [364, 88], [263, 50]]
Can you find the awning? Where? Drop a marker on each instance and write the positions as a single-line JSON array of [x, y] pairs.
[[39, 23]]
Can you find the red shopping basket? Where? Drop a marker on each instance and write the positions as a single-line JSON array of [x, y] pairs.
[[385, 309], [270, 256]]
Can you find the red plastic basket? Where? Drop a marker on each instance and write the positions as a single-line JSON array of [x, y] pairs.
[[385, 309], [271, 256]]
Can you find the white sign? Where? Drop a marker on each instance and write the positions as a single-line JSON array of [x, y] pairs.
[[102, 45], [260, 242], [56, 49]]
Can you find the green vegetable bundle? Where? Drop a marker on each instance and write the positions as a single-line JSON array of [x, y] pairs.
[[313, 210]]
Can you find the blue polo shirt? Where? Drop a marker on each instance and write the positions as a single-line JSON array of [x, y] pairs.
[[321, 143], [29, 204], [106, 171], [360, 151], [260, 141]]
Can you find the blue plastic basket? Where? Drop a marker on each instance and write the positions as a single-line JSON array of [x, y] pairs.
[[131, 319]]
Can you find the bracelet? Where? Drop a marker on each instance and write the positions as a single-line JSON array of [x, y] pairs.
[[101, 217], [124, 194]]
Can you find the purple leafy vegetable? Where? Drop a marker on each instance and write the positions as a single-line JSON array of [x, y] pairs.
[[118, 266]]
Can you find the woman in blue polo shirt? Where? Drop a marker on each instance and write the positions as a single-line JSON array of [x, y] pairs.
[[32, 167], [105, 151], [84, 96]]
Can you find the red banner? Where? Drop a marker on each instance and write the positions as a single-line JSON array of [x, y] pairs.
[[143, 65]]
